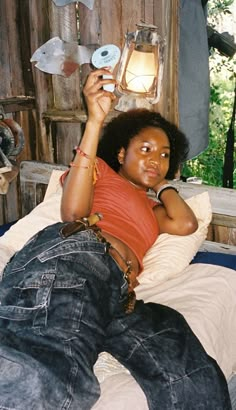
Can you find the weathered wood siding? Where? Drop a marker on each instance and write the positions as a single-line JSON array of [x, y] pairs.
[[35, 99], [223, 202]]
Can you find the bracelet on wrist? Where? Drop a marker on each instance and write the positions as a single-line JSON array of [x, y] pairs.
[[81, 152], [164, 188]]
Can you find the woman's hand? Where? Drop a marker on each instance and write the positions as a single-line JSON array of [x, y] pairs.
[[97, 99]]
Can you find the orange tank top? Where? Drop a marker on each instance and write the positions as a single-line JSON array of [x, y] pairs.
[[127, 211]]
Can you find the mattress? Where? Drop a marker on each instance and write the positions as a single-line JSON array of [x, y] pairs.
[[205, 295]]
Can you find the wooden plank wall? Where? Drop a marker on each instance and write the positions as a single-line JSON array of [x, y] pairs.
[[27, 93]]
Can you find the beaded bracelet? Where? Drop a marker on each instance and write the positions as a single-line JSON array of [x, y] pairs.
[[164, 188], [72, 164], [82, 153]]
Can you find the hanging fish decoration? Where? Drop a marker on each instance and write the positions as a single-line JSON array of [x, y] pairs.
[[60, 57], [88, 3]]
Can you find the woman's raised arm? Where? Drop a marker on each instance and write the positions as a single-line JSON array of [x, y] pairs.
[[78, 187]]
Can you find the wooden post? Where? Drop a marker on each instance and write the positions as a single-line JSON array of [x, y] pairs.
[[39, 34], [66, 91], [166, 18]]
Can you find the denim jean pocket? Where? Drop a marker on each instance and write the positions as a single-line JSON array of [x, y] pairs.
[[41, 299]]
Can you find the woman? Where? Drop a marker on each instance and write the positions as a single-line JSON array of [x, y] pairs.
[[70, 292], [140, 146]]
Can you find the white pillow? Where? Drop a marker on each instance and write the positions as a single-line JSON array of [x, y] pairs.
[[54, 185], [170, 254], [44, 214]]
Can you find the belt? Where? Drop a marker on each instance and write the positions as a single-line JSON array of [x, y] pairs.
[[126, 266]]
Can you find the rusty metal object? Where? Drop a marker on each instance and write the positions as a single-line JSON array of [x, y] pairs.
[[11, 144], [11, 137]]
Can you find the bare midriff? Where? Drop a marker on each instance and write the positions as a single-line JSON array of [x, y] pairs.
[[127, 254]]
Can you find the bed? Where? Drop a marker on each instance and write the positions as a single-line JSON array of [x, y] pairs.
[[205, 293]]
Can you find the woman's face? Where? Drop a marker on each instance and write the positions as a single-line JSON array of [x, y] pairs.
[[145, 162]]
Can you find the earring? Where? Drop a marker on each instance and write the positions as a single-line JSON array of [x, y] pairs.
[[121, 156], [120, 159]]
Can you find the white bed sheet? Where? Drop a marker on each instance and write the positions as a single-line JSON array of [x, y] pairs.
[[205, 295]]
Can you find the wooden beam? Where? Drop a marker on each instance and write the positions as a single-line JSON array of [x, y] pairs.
[[223, 220], [15, 104], [73, 116]]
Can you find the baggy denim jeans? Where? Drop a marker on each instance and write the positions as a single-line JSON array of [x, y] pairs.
[[62, 304]]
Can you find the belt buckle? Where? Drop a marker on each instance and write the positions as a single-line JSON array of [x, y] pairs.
[[72, 227], [80, 225]]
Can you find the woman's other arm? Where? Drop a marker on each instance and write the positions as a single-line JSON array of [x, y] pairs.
[[174, 215]]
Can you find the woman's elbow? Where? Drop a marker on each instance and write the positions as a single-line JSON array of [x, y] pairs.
[[66, 217], [190, 226], [67, 214], [70, 213]]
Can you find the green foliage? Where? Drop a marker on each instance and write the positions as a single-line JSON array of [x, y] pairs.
[[217, 9], [209, 165]]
